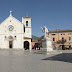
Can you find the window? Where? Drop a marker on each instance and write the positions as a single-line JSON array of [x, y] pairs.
[[53, 39], [69, 33], [62, 34], [69, 38], [53, 34], [24, 29], [62, 38], [15, 36], [5, 36], [26, 23]]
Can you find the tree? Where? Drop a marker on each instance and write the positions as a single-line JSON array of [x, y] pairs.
[[61, 41]]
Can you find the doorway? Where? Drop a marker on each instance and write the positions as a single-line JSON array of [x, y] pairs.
[[10, 44], [26, 45]]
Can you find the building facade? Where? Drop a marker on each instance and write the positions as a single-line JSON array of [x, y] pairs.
[[61, 35], [59, 38], [15, 34]]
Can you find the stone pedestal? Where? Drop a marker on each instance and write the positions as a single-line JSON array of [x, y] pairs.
[[47, 44]]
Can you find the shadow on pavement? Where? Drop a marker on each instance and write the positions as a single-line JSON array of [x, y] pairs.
[[65, 57]]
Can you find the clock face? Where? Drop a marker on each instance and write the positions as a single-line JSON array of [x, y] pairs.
[[10, 27]]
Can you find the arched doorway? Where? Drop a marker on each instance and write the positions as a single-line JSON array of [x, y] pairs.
[[10, 42], [26, 45]]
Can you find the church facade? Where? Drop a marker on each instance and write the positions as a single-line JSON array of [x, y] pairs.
[[15, 34]]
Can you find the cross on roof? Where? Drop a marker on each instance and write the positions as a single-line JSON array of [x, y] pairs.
[[10, 13]]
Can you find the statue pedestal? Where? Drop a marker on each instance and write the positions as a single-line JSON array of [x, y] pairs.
[[47, 44]]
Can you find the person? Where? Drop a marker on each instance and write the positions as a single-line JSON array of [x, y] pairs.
[[35, 47], [39, 47]]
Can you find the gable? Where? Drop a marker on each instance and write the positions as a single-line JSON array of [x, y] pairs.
[[10, 18], [11, 21]]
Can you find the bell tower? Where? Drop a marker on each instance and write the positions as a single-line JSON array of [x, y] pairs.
[[27, 26], [27, 29]]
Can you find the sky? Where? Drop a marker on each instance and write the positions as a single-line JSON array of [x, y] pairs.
[[54, 14]]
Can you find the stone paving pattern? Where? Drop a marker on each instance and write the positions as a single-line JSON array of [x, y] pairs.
[[26, 61]]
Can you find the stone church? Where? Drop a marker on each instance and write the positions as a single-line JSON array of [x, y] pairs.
[[15, 34]]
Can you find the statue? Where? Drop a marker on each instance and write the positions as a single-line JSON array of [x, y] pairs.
[[46, 41], [45, 30]]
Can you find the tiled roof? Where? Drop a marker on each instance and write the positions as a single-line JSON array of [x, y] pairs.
[[58, 31]]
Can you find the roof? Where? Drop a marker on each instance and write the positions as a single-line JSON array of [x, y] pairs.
[[55, 31], [41, 37], [13, 18], [59, 31], [26, 17]]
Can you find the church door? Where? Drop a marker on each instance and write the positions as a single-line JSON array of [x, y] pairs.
[[26, 45], [10, 44]]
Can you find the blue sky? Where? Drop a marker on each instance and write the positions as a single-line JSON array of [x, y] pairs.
[[50, 13]]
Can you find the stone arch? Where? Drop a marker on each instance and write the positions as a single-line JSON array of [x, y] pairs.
[[10, 38], [26, 45]]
